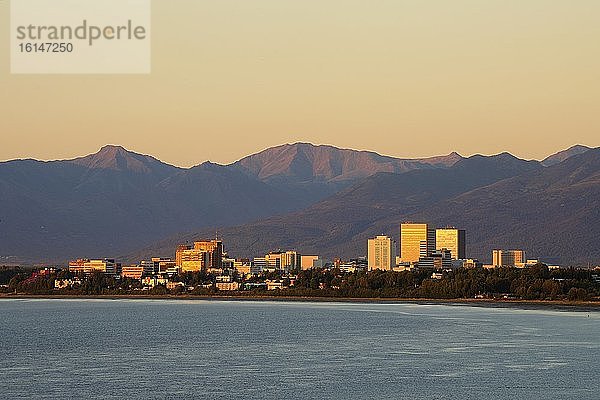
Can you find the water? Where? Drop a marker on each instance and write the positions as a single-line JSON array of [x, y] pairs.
[[144, 349]]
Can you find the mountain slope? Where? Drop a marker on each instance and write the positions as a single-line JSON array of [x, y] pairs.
[[115, 201], [304, 162], [553, 213], [116, 158], [564, 154], [340, 224], [314, 172]]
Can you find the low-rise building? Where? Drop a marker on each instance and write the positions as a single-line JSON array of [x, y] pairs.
[[275, 285], [527, 264], [66, 283], [132, 271], [228, 286], [246, 267], [173, 285], [87, 266], [467, 263], [215, 271], [354, 265], [507, 258], [152, 281], [437, 275], [440, 259], [404, 267], [254, 286], [162, 265]]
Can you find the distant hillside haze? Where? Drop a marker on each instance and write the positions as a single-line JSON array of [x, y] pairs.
[[315, 199], [115, 200], [503, 202], [553, 213], [341, 224]]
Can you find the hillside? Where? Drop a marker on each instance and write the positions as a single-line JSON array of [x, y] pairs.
[[340, 224], [564, 154], [115, 200], [319, 171], [553, 213]]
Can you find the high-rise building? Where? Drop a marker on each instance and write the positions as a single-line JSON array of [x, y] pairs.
[[507, 258], [179, 252], [416, 241], [451, 239], [214, 249], [308, 262], [203, 255], [192, 260], [284, 260], [381, 253]]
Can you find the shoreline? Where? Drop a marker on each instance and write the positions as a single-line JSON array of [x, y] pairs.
[[559, 305]]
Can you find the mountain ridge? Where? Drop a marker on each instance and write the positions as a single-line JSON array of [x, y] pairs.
[[305, 161], [564, 154], [525, 210], [115, 201]]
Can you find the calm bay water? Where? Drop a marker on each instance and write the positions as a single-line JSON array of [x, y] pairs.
[[144, 349]]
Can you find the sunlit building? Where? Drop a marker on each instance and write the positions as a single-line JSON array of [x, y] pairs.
[[451, 239], [162, 265], [286, 261], [381, 253], [132, 271], [202, 255], [214, 249], [227, 286], [86, 266], [261, 263], [308, 262], [192, 260], [416, 241], [179, 253], [507, 258], [246, 267]]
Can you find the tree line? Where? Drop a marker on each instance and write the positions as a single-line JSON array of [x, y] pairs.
[[535, 283]]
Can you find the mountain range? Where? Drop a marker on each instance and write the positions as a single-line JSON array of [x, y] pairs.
[[315, 199]]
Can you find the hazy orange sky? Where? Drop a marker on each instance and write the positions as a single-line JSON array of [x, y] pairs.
[[403, 78]]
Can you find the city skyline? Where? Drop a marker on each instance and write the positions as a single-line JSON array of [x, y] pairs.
[[299, 199], [296, 194]]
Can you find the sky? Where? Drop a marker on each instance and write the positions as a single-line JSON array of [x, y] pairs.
[[402, 78]]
